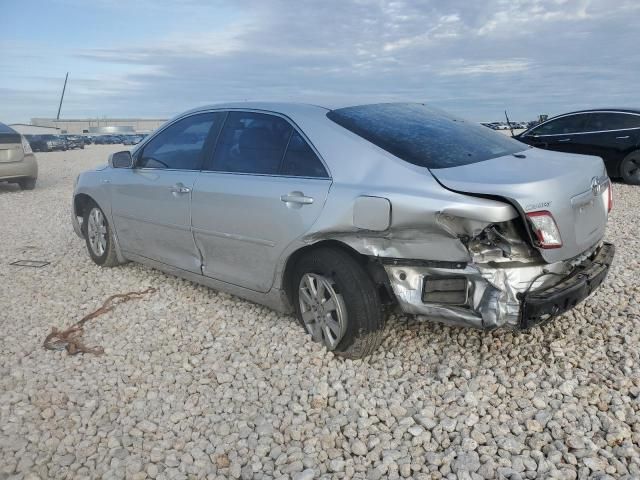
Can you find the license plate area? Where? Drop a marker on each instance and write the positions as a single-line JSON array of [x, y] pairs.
[[590, 220]]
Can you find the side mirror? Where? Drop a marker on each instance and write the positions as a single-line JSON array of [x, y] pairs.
[[121, 159]]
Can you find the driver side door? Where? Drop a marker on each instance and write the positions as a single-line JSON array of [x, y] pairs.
[[151, 203]]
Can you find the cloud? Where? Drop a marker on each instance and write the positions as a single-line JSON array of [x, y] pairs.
[[462, 67], [474, 58]]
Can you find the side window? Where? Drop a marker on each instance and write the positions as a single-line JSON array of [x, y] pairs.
[[251, 143], [564, 125], [612, 121], [181, 145], [300, 160]]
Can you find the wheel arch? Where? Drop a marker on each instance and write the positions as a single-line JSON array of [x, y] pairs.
[[81, 201], [374, 269]]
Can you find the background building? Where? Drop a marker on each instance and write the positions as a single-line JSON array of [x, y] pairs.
[[100, 125], [27, 129]]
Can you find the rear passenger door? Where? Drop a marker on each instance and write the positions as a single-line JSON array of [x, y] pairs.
[[263, 188]]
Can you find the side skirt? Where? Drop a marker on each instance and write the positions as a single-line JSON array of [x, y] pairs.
[[275, 299]]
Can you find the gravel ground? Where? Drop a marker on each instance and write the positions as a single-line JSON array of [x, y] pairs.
[[196, 383]]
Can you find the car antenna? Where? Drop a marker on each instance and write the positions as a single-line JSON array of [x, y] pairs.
[[508, 122]]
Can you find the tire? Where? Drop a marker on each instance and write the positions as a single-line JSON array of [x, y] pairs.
[[630, 168], [358, 315], [27, 183], [105, 254]]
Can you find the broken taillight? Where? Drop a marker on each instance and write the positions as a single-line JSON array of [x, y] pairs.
[[545, 228]]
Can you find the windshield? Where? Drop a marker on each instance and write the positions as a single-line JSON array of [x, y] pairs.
[[424, 136]]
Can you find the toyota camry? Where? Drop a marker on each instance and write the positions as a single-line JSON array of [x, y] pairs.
[[337, 214]]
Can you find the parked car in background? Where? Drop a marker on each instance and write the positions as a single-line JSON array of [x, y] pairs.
[[74, 141], [103, 140], [132, 139], [47, 143], [62, 142], [18, 164], [37, 143], [612, 134], [291, 206]]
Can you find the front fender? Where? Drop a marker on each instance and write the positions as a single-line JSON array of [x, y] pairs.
[[94, 186]]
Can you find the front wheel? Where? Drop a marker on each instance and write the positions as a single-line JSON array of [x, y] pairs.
[[337, 303], [99, 237], [630, 168]]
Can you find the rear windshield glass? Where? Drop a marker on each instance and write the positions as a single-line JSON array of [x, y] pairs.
[[8, 135], [425, 136]]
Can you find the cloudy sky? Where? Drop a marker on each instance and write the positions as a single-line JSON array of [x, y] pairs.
[[155, 58]]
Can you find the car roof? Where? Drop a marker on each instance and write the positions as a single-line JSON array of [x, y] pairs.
[[593, 110], [288, 108]]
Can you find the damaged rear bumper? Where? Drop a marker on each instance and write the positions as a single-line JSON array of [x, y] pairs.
[[543, 304], [516, 297]]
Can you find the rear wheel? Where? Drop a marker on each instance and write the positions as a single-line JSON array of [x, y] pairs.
[[630, 168], [27, 183], [337, 303], [99, 237]]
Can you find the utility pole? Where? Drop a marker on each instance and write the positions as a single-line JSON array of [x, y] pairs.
[[62, 96]]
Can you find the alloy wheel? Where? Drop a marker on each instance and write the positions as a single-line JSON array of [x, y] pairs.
[[322, 308], [97, 232], [632, 168]]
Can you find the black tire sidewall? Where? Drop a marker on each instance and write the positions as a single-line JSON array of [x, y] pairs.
[[27, 183], [99, 260], [364, 311], [628, 158]]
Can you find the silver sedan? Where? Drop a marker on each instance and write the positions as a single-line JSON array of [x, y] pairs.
[[337, 214]]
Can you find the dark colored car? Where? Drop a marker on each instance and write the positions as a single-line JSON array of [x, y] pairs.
[[47, 143], [132, 139], [612, 134], [37, 142], [102, 140], [75, 141]]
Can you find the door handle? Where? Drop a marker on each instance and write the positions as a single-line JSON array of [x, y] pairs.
[[564, 140], [623, 138], [297, 197], [179, 188]]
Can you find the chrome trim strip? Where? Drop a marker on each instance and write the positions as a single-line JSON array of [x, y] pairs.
[[235, 236], [586, 133], [580, 113], [186, 228], [220, 172]]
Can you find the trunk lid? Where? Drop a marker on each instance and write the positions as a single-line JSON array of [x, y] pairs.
[[563, 184]]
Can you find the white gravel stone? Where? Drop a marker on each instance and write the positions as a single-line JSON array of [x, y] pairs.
[[199, 384], [308, 474], [359, 448]]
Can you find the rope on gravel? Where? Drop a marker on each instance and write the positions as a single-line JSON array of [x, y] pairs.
[[69, 339]]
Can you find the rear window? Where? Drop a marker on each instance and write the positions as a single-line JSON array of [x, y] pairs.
[[8, 135], [424, 136]]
